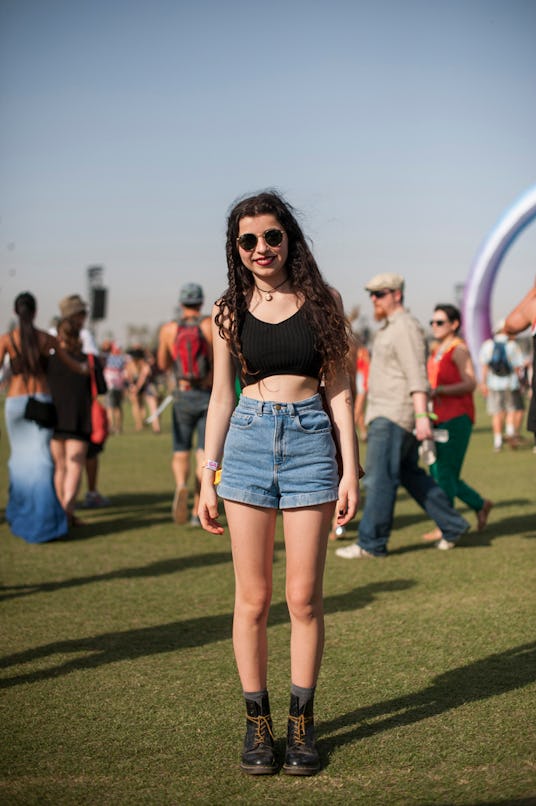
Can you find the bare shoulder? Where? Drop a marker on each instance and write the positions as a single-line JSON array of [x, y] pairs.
[[168, 329]]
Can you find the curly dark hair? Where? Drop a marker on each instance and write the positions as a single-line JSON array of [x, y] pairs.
[[25, 307], [330, 328]]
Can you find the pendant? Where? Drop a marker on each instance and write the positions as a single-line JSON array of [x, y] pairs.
[[268, 297]]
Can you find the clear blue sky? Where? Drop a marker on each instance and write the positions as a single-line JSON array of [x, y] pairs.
[[400, 130]]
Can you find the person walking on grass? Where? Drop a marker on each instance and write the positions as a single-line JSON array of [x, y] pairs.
[[501, 361], [282, 330], [33, 511], [397, 405], [74, 308], [185, 347], [452, 382]]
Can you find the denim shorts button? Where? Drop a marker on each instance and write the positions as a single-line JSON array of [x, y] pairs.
[[277, 407]]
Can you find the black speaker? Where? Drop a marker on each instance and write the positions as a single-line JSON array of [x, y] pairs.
[[98, 303]]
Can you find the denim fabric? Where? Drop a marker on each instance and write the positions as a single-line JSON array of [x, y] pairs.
[[279, 455], [393, 460], [189, 416]]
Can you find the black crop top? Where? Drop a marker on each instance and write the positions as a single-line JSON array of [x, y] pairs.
[[286, 348]]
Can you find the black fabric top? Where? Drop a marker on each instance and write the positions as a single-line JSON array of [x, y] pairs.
[[71, 393], [286, 348]]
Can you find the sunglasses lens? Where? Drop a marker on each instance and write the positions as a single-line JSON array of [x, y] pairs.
[[248, 241], [379, 294], [273, 237], [438, 322]]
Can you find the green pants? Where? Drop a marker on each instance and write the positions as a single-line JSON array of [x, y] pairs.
[[447, 468]]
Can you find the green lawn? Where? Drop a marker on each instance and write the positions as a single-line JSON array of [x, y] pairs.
[[118, 684]]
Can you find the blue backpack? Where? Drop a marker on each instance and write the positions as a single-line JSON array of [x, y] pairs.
[[499, 363]]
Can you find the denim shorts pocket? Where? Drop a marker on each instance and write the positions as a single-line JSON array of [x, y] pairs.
[[313, 421], [241, 420]]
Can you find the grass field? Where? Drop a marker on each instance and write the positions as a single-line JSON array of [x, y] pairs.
[[118, 684]]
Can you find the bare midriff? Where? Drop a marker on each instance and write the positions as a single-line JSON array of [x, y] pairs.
[[282, 388]]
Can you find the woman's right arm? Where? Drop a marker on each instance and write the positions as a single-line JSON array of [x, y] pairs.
[[221, 406]]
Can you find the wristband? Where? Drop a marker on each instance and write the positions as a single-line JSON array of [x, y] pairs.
[[211, 464], [430, 415]]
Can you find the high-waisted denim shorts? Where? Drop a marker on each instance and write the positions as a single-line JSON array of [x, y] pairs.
[[279, 455]]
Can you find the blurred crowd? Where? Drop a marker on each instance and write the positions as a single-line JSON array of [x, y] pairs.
[[147, 382]]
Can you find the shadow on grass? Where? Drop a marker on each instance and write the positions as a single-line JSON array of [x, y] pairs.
[[489, 677], [131, 644], [156, 569]]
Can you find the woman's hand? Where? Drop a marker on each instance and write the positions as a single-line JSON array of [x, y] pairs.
[[207, 510], [348, 500]]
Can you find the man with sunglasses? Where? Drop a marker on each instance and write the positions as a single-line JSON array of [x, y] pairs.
[[398, 420]]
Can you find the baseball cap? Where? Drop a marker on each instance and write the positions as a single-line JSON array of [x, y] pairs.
[[394, 282], [191, 294], [71, 305]]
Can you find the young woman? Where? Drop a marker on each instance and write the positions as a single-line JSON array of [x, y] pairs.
[[282, 330], [452, 383], [33, 511], [72, 397]]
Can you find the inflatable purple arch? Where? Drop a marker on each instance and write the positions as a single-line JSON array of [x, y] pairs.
[[477, 295]]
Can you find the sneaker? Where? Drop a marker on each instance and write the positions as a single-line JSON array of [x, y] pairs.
[[179, 508], [353, 552], [445, 545], [94, 500], [194, 521]]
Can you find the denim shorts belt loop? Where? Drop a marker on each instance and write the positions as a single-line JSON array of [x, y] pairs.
[[279, 455]]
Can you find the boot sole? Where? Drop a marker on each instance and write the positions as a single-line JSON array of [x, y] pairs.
[[258, 770], [300, 770]]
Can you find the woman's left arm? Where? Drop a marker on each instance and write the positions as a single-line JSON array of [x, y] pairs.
[[340, 401]]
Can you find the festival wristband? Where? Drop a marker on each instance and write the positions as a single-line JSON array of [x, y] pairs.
[[211, 464], [430, 415]]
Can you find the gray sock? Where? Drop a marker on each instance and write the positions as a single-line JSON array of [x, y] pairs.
[[303, 694], [255, 696]]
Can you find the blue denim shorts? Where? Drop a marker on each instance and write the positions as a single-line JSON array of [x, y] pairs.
[[279, 455]]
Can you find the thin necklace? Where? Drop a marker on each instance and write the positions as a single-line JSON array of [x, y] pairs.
[[269, 291]]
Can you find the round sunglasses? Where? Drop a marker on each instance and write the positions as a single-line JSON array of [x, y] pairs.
[[248, 241]]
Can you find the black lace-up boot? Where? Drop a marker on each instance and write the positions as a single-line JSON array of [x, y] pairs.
[[302, 756], [258, 754]]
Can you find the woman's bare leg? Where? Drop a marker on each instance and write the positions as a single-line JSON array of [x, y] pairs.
[[252, 541], [306, 535]]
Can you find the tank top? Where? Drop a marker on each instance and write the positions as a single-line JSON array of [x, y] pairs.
[[442, 371], [285, 348]]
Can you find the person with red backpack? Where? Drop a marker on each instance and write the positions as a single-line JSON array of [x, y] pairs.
[[185, 348]]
